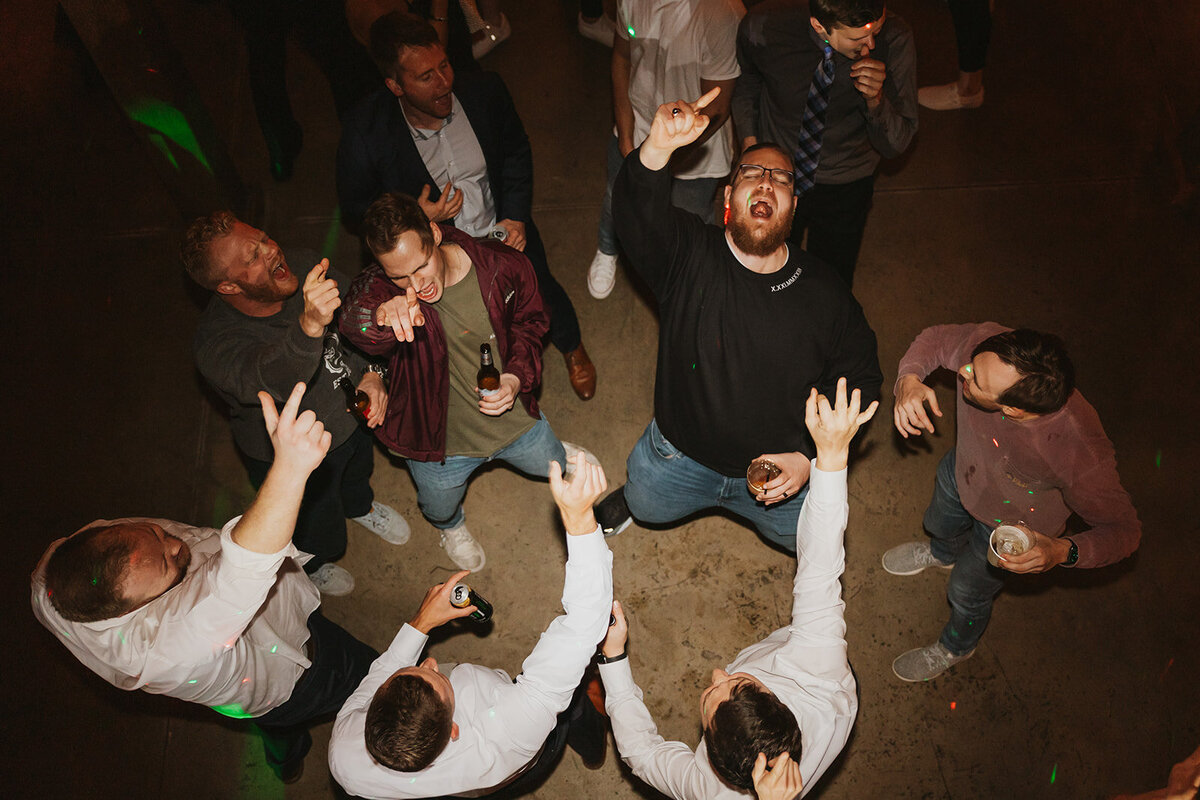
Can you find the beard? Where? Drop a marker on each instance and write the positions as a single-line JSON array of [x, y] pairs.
[[269, 292], [756, 240]]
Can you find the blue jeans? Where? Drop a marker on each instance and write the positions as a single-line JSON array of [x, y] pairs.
[[665, 485], [961, 539], [441, 485], [695, 195]]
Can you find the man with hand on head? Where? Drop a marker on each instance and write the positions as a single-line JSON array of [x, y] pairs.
[[791, 697], [1030, 449], [222, 618], [434, 297], [748, 325], [262, 330], [411, 730], [834, 82]]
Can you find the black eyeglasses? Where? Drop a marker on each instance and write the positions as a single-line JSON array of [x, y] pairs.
[[752, 172]]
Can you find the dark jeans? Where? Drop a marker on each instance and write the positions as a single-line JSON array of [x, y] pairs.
[[962, 540], [338, 489], [834, 214], [339, 664], [973, 29], [564, 325]]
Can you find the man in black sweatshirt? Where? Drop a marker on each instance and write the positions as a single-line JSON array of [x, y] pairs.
[[747, 326]]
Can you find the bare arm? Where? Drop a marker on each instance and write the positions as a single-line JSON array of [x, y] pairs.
[[622, 108]]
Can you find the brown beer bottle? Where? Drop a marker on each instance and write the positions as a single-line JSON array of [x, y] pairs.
[[488, 377], [357, 401]]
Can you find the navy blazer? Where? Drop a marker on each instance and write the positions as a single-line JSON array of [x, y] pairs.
[[377, 154]]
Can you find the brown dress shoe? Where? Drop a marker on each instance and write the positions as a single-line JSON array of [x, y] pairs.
[[582, 372]]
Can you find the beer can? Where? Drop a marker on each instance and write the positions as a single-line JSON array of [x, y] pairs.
[[463, 595], [499, 232]]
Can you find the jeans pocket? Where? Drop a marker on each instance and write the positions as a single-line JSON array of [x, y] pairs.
[[664, 448]]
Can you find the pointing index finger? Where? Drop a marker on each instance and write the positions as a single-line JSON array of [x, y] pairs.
[[707, 98]]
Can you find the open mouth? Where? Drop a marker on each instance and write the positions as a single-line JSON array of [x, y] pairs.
[[280, 271], [761, 209], [427, 293]]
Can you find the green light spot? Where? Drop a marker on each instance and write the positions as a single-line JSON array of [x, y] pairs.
[[1006, 502], [161, 145], [997, 522], [233, 710], [121, 636], [273, 649], [632, 32], [171, 123], [1158, 458], [693, 366], [95, 581], [1031, 491], [192, 681], [1054, 773]]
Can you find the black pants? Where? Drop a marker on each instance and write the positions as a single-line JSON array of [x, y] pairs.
[[338, 489], [322, 31], [834, 215], [339, 664], [973, 30], [564, 325]]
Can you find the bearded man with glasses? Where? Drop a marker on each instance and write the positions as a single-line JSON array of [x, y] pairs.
[[748, 325]]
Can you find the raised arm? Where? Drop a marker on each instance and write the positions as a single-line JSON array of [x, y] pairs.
[[300, 443]]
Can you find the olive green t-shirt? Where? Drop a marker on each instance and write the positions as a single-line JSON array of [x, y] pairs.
[[470, 432]]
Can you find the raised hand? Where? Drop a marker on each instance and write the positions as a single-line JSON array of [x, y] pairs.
[[909, 412], [401, 313], [675, 125], [447, 206], [576, 497], [300, 440], [436, 608], [321, 300], [833, 427]]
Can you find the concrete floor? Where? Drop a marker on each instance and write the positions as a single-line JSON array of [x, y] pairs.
[[1047, 208]]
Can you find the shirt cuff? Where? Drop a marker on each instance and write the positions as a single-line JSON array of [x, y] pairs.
[[408, 644], [588, 545], [264, 563], [617, 677], [828, 487]]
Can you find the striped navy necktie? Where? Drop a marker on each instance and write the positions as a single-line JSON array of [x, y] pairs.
[[812, 126]]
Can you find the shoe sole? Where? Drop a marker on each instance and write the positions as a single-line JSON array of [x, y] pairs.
[[599, 295], [618, 529], [916, 571]]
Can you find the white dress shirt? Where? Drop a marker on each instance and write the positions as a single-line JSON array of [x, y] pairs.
[[231, 635], [452, 153], [803, 664], [502, 724]]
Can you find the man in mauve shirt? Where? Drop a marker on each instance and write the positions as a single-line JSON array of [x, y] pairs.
[[1030, 450]]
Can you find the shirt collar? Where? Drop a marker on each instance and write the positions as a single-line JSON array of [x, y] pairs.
[[424, 135]]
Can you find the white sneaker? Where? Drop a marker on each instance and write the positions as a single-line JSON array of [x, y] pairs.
[[947, 98], [911, 558], [602, 275], [493, 35], [462, 548], [386, 523], [598, 30], [332, 580], [926, 663]]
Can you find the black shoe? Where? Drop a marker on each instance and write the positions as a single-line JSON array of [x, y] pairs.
[[587, 731], [612, 513]]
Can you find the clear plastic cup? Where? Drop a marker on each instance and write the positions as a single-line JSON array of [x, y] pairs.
[[1009, 539]]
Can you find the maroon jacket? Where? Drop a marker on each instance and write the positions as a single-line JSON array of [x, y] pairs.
[[419, 384]]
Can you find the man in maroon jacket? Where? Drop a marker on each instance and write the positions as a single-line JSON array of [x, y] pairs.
[[432, 299]]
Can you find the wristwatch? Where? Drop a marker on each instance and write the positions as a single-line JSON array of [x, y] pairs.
[[378, 369], [1072, 554], [603, 659]]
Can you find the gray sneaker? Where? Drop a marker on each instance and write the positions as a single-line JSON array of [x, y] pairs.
[[910, 558], [386, 523], [332, 580], [462, 548], [926, 663]]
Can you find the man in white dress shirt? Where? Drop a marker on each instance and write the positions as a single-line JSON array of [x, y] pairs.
[[791, 693], [413, 731], [225, 618]]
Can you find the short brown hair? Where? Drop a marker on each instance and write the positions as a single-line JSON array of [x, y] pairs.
[[408, 724], [83, 576], [1047, 374], [393, 32], [751, 721], [195, 250], [391, 216]]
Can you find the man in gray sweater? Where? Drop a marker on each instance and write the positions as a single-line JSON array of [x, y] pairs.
[[262, 330]]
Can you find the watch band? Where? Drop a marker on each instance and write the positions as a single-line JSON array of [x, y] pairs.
[[603, 659], [1072, 554]]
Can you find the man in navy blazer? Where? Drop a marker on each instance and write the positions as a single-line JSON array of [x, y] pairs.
[[461, 150]]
